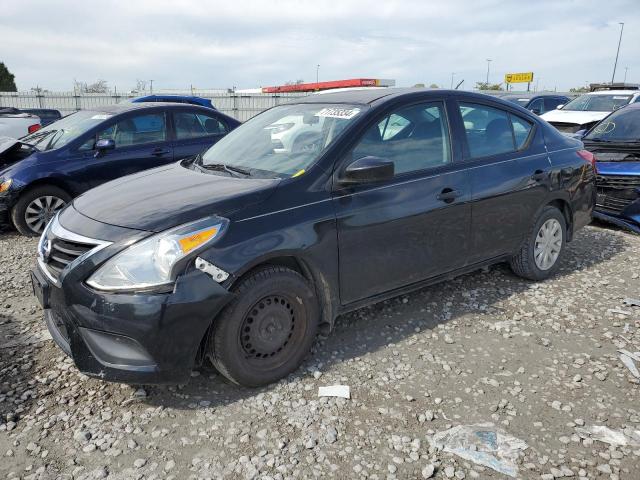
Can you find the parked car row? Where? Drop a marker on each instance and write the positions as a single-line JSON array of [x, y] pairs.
[[607, 120], [44, 170], [241, 254]]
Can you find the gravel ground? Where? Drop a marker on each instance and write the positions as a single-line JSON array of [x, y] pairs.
[[539, 361]]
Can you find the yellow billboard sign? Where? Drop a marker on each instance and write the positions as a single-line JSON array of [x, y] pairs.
[[524, 77]]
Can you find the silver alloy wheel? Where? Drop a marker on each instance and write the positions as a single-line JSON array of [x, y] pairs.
[[41, 210], [548, 244]]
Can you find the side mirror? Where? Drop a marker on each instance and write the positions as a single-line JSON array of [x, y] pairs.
[[102, 146], [559, 107], [536, 111], [367, 170]]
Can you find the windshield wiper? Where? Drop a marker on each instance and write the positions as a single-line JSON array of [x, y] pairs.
[[227, 168]]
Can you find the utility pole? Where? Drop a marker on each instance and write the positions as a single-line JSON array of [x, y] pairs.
[[617, 52], [452, 75], [626, 69], [317, 72], [488, 63], [151, 87]]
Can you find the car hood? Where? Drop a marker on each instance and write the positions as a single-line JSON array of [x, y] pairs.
[[161, 198], [573, 116], [619, 168]]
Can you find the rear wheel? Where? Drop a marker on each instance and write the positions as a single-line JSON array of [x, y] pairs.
[[539, 256], [36, 207], [267, 330]]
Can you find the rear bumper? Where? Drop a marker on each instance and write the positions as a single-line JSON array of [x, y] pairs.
[[134, 338]]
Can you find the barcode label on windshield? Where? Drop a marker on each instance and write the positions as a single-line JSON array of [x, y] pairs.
[[337, 112]]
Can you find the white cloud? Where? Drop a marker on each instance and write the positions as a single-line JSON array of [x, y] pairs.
[[251, 43]]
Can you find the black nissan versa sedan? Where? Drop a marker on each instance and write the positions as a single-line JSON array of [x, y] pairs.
[[240, 255]]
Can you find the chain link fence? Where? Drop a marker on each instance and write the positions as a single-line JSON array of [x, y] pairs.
[[241, 106]]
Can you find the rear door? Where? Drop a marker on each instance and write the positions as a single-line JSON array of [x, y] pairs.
[[414, 226], [141, 143], [195, 131], [510, 176]]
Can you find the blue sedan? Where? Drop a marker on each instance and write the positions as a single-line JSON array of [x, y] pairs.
[[43, 171]]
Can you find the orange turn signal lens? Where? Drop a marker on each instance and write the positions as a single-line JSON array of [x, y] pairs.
[[193, 241]]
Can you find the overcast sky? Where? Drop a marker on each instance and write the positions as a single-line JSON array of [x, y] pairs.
[[210, 44]]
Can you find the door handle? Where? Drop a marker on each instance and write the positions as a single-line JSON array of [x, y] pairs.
[[158, 152], [448, 195], [539, 175]]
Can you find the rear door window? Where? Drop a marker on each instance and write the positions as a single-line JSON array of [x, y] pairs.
[[488, 130], [521, 130], [195, 125]]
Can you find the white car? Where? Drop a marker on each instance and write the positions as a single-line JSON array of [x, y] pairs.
[[16, 124], [585, 111]]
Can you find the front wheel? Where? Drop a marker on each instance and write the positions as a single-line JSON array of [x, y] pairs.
[[539, 256], [36, 207], [268, 328]]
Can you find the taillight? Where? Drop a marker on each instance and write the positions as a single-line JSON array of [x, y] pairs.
[[587, 156], [34, 128]]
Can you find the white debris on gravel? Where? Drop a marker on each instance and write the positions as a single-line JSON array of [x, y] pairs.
[[341, 391], [537, 360]]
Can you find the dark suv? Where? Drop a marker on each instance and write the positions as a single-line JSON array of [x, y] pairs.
[[43, 171], [240, 255]]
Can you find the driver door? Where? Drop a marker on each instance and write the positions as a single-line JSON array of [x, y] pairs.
[[414, 226]]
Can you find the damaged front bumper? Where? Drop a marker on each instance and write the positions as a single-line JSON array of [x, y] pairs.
[[618, 194], [131, 338]]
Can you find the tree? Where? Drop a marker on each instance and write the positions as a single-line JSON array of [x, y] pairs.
[[579, 89], [99, 86], [488, 86], [141, 86], [7, 80], [434, 85]]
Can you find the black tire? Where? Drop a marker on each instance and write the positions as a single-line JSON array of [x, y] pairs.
[[523, 263], [268, 328], [19, 210]]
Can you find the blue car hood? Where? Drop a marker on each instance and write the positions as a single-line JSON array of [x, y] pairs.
[[618, 168]]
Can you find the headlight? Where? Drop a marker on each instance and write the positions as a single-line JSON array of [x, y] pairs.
[[151, 263], [5, 184]]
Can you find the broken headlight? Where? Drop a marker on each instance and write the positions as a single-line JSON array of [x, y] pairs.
[[151, 263]]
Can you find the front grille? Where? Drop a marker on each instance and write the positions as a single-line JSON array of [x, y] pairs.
[[60, 248], [618, 181], [63, 252], [612, 204], [616, 192], [566, 127]]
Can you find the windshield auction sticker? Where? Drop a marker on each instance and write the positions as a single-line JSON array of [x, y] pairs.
[[338, 112]]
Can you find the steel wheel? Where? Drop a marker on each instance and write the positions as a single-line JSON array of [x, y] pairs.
[[40, 210], [548, 244], [267, 328]]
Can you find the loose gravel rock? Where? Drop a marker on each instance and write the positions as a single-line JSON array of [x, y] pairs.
[[538, 360]]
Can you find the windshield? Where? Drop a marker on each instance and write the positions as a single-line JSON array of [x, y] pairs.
[[597, 103], [621, 126], [284, 140], [58, 134]]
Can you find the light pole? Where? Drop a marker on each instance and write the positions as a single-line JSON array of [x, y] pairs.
[[617, 52], [317, 72], [452, 75], [488, 63], [151, 87], [626, 69]]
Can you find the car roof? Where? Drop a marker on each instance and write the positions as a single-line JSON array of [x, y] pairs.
[[369, 96], [532, 95], [127, 106], [614, 92]]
